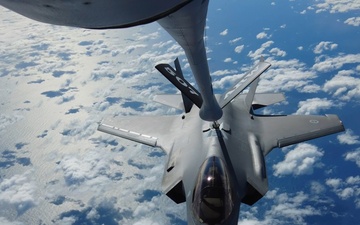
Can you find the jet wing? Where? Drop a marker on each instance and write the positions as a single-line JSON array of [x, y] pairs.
[[281, 131], [155, 131]]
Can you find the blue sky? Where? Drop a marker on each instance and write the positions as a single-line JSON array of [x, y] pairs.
[[56, 83]]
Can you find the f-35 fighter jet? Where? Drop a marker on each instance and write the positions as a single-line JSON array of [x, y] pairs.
[[216, 166]]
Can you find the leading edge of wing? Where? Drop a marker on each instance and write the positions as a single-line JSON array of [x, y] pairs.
[[155, 131]]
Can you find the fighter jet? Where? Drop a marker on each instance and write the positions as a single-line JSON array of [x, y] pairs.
[[216, 166], [216, 147]]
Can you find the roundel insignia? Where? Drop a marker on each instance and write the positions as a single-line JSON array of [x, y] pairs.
[[314, 121]]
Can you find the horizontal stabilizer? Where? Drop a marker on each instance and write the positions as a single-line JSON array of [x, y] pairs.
[[175, 77], [265, 99], [174, 101], [245, 81]]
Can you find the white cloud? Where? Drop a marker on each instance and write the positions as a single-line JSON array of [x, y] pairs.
[[226, 81], [287, 75], [66, 221], [233, 41], [343, 85], [324, 46], [277, 52], [92, 167], [227, 60], [317, 188], [337, 6], [353, 21], [333, 182], [4, 221], [353, 156], [79, 129], [259, 52], [262, 35], [224, 32], [300, 48], [238, 49], [146, 221], [292, 208], [299, 161], [223, 72], [314, 106], [6, 120], [348, 138], [326, 64], [19, 190], [346, 189], [283, 208]]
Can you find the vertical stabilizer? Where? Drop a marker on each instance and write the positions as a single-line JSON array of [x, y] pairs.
[[245, 81], [251, 94], [189, 93], [187, 102]]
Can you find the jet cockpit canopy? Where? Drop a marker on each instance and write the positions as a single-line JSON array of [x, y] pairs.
[[213, 199]]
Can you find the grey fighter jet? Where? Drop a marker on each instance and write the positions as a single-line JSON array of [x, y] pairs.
[[216, 166]]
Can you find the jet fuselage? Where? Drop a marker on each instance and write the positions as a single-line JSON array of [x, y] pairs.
[[215, 165]]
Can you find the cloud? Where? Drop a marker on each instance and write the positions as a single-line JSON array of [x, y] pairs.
[[345, 85], [233, 41], [353, 156], [79, 129], [353, 21], [226, 81], [4, 221], [348, 138], [224, 32], [327, 64], [324, 46], [292, 208], [129, 49], [317, 188], [346, 188], [282, 208], [77, 171], [299, 161], [223, 72], [238, 49], [19, 190], [6, 120], [337, 6], [287, 75], [259, 52], [314, 106], [277, 52], [227, 60], [262, 35], [103, 211]]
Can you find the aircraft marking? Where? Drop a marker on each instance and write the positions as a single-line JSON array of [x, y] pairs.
[[180, 80]]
